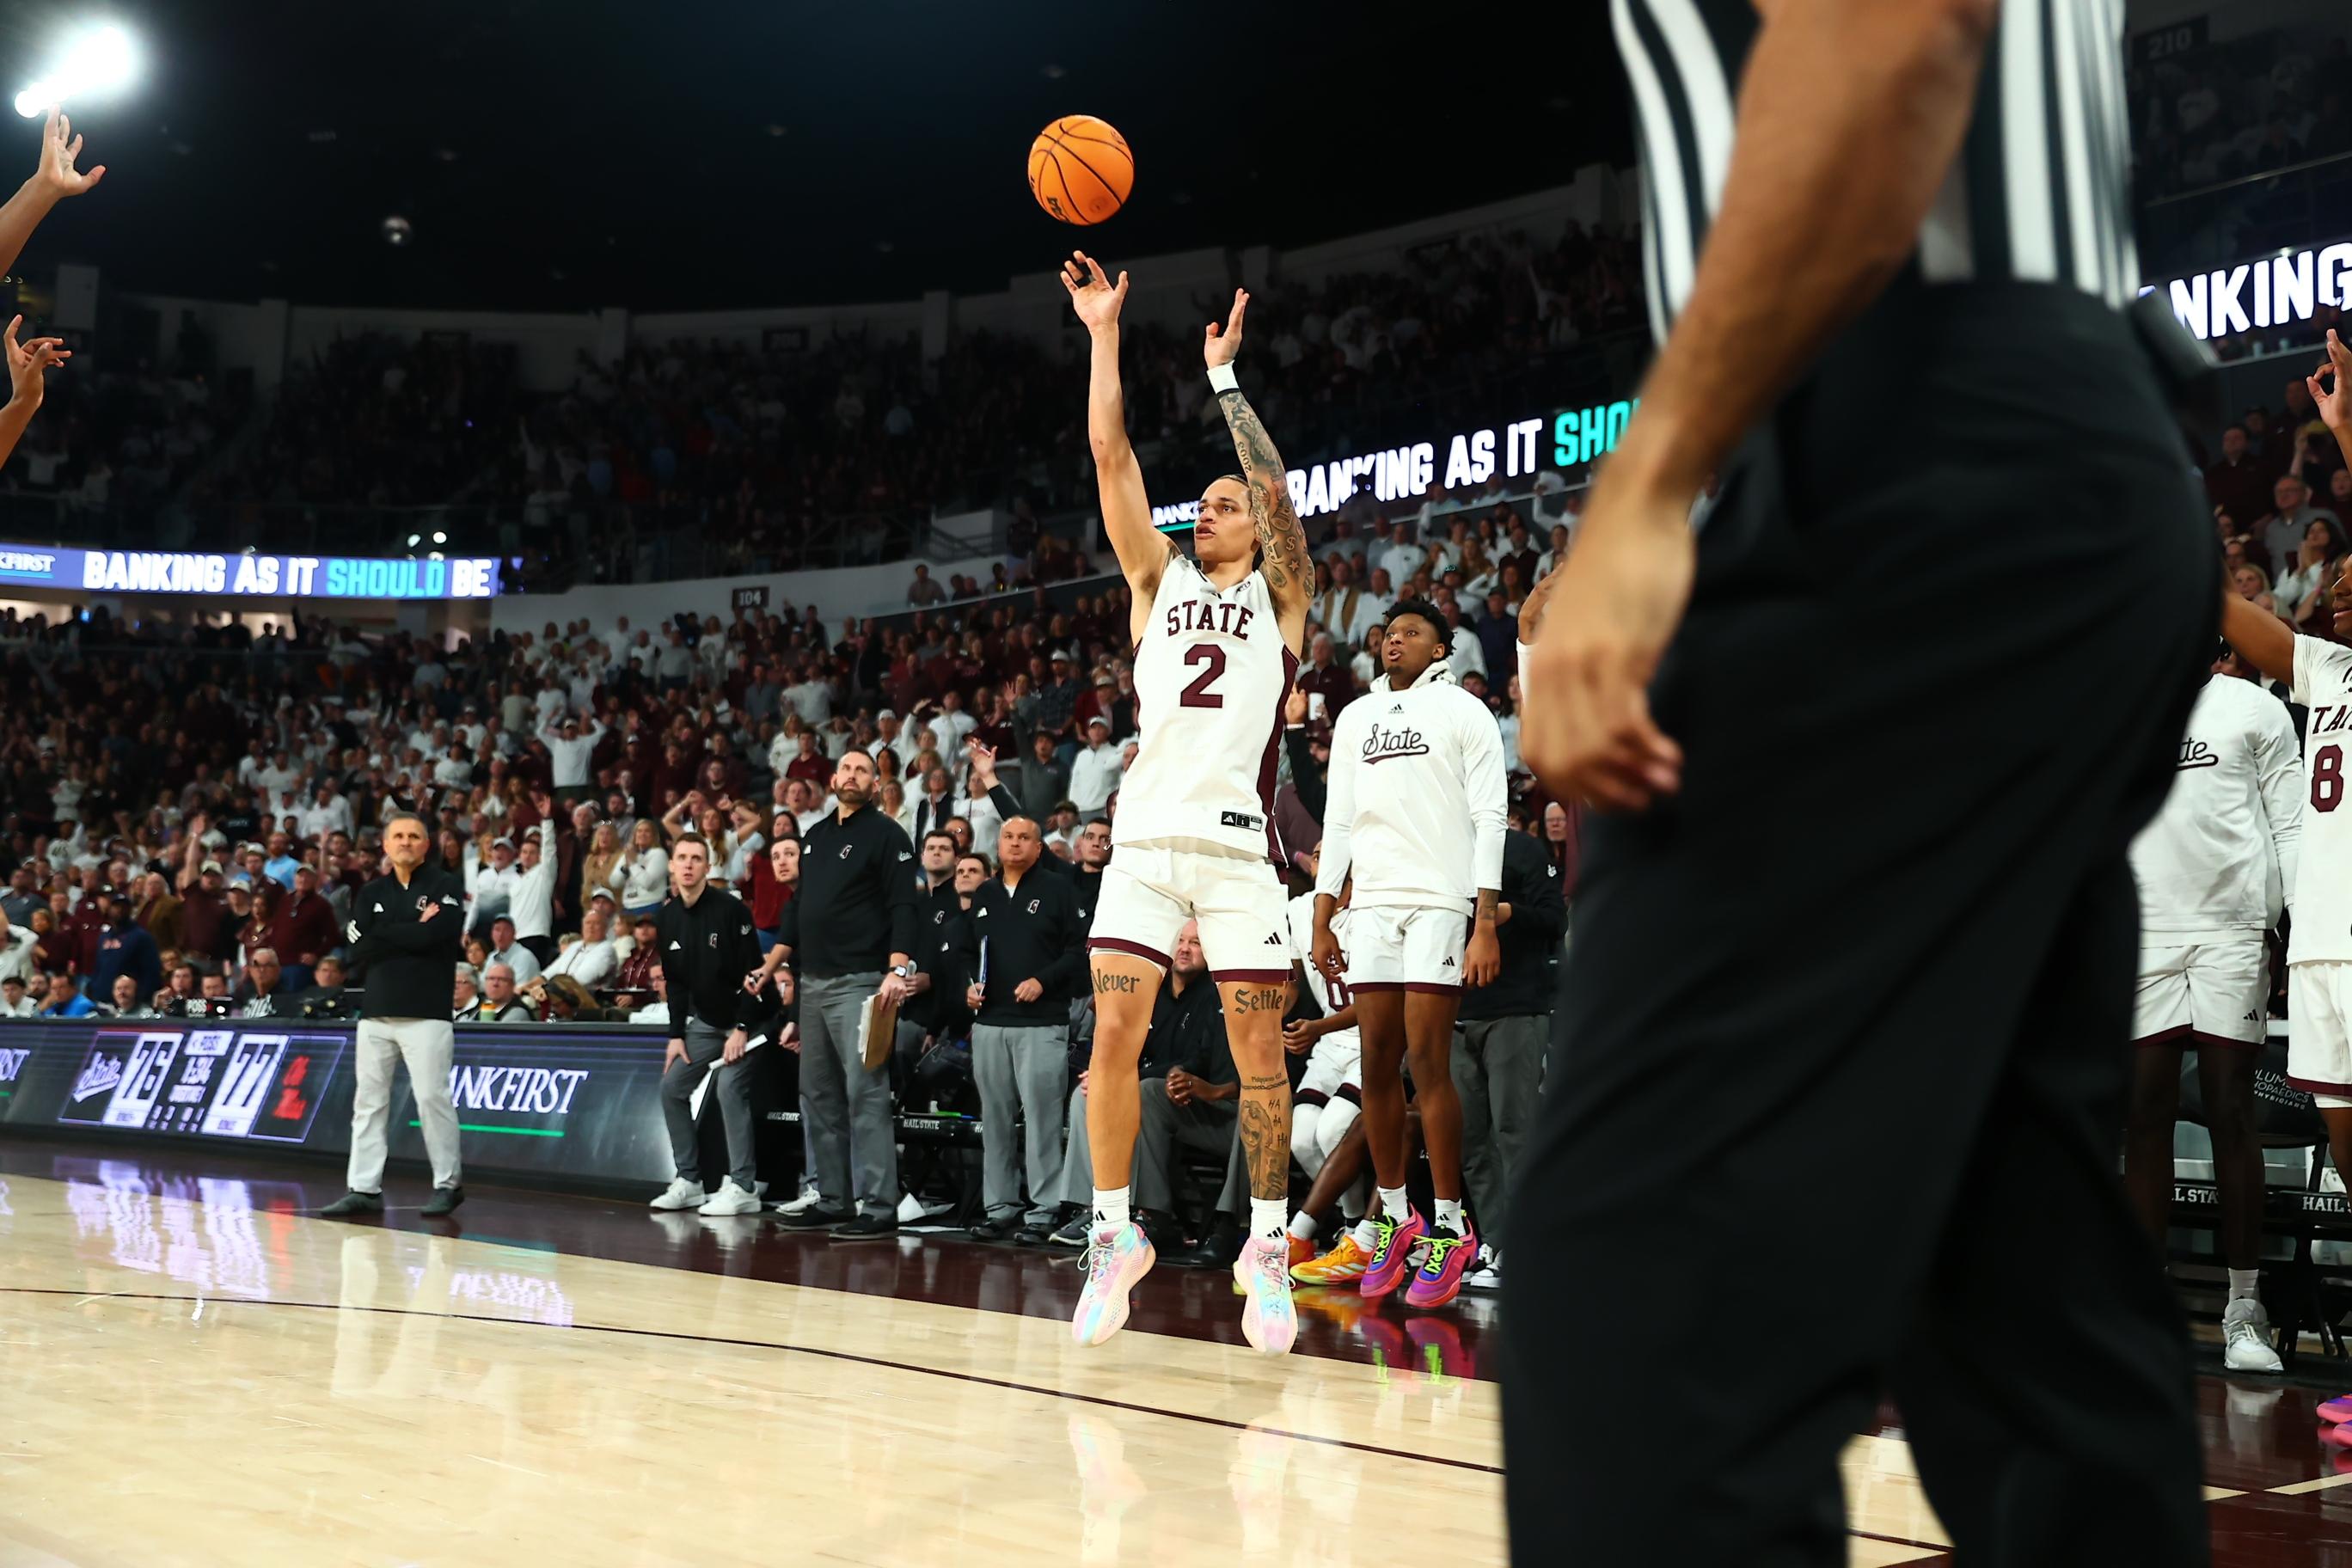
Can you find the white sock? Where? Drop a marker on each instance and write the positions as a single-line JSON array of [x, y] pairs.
[[1110, 1208], [1449, 1216], [1394, 1204], [2245, 1284], [1269, 1218], [1302, 1225], [1364, 1235]]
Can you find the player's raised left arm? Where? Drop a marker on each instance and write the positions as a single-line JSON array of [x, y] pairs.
[[1288, 575], [53, 179]]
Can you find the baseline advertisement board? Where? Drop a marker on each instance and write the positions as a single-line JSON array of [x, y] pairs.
[[568, 1101]]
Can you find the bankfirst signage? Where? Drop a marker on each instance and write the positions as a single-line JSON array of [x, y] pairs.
[[247, 576], [565, 1099]]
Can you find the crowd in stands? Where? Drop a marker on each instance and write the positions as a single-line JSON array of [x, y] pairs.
[[2281, 496], [120, 443], [2247, 106], [384, 421]]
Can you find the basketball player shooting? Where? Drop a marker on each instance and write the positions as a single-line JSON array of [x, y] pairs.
[[1851, 979], [1216, 645]]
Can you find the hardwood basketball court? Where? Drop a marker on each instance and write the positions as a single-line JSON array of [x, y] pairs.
[[194, 1372]]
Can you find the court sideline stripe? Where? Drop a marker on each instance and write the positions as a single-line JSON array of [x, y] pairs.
[[218, 1301]]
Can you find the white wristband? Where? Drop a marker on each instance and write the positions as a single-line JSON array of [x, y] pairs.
[[1223, 379]]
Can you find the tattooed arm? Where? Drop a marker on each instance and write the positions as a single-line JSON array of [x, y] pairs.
[[1142, 550], [1289, 575]]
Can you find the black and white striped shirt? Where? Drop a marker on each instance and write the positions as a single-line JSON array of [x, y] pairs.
[[2039, 193]]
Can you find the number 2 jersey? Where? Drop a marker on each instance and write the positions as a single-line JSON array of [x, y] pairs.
[[1211, 674], [2322, 883]]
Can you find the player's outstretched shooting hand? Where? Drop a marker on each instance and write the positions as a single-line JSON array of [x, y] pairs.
[[1219, 348], [59, 150], [1092, 294]]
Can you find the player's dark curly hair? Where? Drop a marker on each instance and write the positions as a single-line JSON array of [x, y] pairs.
[[1427, 611]]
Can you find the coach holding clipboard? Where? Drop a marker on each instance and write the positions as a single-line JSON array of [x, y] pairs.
[[408, 929], [848, 935]]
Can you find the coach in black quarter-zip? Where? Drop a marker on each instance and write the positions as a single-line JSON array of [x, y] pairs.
[[849, 933], [1846, 1004]]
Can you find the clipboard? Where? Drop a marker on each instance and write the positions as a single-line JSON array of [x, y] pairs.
[[877, 1030], [702, 1090]]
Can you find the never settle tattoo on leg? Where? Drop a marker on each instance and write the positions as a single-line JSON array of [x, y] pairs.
[[1264, 1133], [1127, 983]]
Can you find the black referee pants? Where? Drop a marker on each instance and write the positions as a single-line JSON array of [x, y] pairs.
[[1840, 1099]]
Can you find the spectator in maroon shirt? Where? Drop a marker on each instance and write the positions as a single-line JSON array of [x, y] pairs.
[[1327, 678], [810, 763], [2238, 481], [302, 929]]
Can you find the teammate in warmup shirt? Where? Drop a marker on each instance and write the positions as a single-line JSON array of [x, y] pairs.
[[2319, 948], [2213, 869], [1217, 641], [1417, 806]]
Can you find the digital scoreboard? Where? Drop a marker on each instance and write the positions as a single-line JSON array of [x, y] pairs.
[[219, 1083]]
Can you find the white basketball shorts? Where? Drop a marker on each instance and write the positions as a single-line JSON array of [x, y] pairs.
[[1148, 893], [1400, 948], [2209, 992], [2319, 1044], [1333, 1070]]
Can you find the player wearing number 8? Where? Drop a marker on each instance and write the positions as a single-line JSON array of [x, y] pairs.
[[2319, 947], [1217, 638]]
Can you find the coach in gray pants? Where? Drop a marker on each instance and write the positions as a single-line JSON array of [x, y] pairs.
[[848, 934], [1502, 1031], [1024, 949]]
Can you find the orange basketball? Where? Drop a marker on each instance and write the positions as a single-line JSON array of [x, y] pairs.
[[1080, 169]]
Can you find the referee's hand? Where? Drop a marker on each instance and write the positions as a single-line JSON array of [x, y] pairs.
[[1587, 731]]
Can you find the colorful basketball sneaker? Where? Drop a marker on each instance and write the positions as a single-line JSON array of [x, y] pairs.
[[1343, 1265], [1440, 1277], [2337, 1436], [2338, 1409], [1268, 1321], [1114, 1260], [1301, 1251], [1391, 1252]]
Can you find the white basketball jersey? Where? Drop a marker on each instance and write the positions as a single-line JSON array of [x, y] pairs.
[[1211, 675], [1329, 995], [2323, 882]]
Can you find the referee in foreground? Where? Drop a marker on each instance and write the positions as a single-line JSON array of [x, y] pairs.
[[408, 934], [848, 934], [1846, 1006]]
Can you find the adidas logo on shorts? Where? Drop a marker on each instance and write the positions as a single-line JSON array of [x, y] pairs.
[[1271, 940], [1447, 964]]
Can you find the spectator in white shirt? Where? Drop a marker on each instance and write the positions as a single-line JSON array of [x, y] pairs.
[[643, 875], [906, 743], [675, 663], [591, 961], [1401, 559], [493, 886], [505, 950], [327, 812], [1096, 771], [952, 724], [15, 1003], [569, 749], [532, 902], [16, 946]]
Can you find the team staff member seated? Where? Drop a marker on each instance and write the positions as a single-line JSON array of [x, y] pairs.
[[408, 933]]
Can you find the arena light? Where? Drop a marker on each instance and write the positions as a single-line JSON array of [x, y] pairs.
[[95, 62]]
